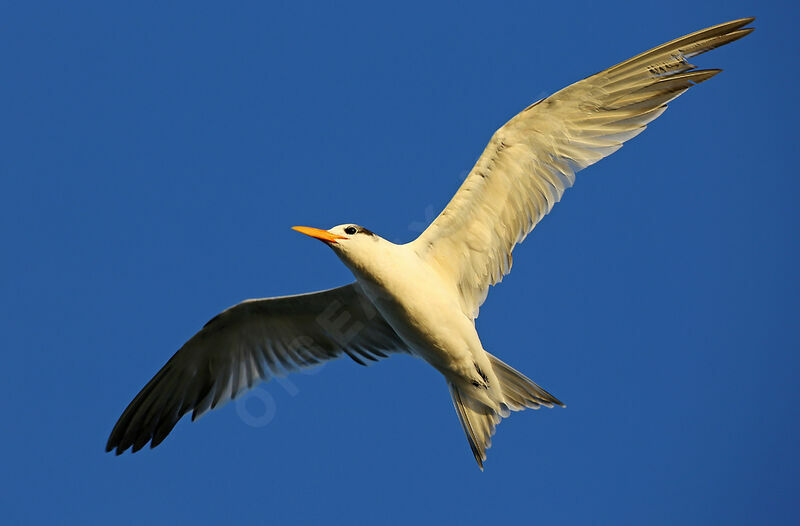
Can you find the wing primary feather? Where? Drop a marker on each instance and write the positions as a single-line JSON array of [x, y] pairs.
[[248, 342], [532, 159]]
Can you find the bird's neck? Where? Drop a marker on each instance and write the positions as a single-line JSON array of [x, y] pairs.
[[378, 265]]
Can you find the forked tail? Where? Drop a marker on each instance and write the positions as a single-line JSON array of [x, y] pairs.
[[479, 420]]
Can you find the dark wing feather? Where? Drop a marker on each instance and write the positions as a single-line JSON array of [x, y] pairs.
[[247, 343]]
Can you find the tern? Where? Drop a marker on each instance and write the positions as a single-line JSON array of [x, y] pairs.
[[422, 297]]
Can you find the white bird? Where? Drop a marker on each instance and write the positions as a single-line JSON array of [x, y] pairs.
[[423, 297]]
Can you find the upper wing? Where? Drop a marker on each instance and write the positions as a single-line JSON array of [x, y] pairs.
[[532, 159], [253, 340]]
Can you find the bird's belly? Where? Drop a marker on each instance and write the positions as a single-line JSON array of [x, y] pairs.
[[429, 320]]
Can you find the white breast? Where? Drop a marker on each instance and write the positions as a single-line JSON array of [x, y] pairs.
[[422, 308]]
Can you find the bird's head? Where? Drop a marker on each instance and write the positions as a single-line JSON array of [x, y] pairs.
[[355, 245]]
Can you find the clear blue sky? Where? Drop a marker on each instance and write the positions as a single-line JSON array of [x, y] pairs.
[[154, 158]]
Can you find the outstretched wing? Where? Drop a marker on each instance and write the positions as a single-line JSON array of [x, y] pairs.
[[533, 158], [252, 341]]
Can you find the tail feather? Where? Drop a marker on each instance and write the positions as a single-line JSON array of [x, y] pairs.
[[519, 391], [479, 420]]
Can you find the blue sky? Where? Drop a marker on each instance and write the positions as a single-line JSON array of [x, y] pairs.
[[155, 157]]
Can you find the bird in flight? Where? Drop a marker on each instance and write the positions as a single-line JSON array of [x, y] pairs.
[[422, 298]]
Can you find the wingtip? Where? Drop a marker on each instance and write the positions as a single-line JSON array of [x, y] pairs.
[[739, 26], [555, 401], [741, 33], [137, 446], [746, 31], [740, 22], [112, 445]]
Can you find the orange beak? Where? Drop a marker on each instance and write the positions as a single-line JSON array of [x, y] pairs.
[[322, 235]]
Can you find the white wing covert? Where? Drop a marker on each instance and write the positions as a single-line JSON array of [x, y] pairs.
[[532, 159], [253, 341]]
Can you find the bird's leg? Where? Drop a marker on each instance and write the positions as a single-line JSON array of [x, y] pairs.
[[483, 381]]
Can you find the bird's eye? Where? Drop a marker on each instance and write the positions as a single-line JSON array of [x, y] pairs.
[[350, 230]]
